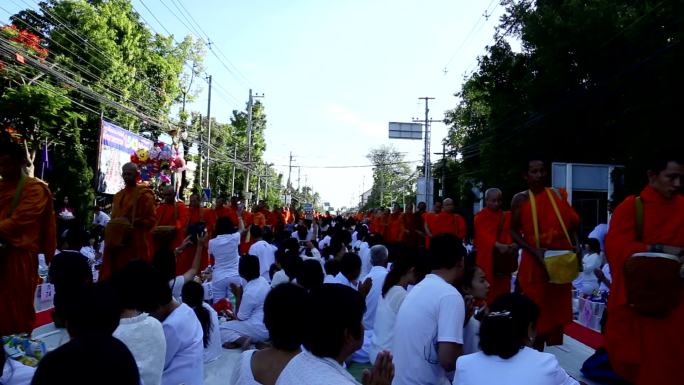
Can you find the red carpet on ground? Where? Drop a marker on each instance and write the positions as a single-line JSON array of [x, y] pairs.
[[43, 318], [584, 335]]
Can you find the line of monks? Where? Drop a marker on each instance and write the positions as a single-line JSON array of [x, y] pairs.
[[642, 349]]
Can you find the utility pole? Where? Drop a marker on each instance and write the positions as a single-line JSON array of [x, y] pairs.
[[232, 183], [289, 173], [427, 168], [299, 177], [208, 130], [250, 104], [443, 178], [199, 182]]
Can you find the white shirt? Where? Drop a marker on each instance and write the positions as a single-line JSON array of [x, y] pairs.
[[342, 280], [364, 254], [184, 363], [599, 232], [385, 318], [176, 286], [16, 373], [606, 272], [587, 281], [279, 277], [101, 219], [329, 279], [89, 253], [307, 369], [224, 248], [242, 374], [266, 254], [432, 312], [252, 305], [144, 337], [213, 349], [528, 367], [324, 242], [471, 336], [377, 275]]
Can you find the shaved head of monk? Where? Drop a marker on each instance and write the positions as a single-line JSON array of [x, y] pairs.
[[448, 205], [665, 175], [493, 199], [129, 173]]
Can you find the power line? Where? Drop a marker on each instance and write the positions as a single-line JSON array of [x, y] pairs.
[[485, 16]]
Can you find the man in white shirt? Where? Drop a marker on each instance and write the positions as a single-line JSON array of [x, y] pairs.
[[430, 320], [377, 274], [350, 270], [101, 218], [224, 249], [262, 250]]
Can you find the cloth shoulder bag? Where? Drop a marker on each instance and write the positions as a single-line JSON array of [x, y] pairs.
[[166, 234], [653, 280], [562, 266]]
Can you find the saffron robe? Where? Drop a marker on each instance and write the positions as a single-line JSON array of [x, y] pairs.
[[114, 260], [445, 223], [30, 230], [194, 215], [554, 300], [644, 350], [166, 216], [487, 223]]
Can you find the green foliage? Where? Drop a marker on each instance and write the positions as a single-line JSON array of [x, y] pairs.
[[392, 178], [596, 82]]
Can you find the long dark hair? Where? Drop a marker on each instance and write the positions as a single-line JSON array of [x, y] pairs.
[[193, 296], [399, 268]]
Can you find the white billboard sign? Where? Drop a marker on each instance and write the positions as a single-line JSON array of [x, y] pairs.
[[398, 130]]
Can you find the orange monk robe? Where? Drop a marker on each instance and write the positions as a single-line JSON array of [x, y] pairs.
[[554, 300], [115, 260], [222, 212], [644, 350], [487, 223], [277, 220], [259, 219], [408, 229], [446, 223], [395, 228], [194, 215], [375, 225], [246, 240], [173, 215], [30, 230]]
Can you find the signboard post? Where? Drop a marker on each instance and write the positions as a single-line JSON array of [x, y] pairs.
[[308, 211], [399, 130]]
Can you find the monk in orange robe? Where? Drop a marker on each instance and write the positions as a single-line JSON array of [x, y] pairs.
[[136, 205], [26, 229], [409, 237], [446, 221], [493, 229], [171, 213], [196, 215], [554, 300], [278, 220], [245, 239], [220, 209], [395, 228], [643, 349]]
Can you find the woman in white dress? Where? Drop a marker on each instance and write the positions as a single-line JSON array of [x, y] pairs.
[[193, 296], [506, 336], [475, 288], [401, 275]]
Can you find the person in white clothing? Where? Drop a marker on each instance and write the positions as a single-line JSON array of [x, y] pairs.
[[193, 294], [350, 269], [378, 257], [334, 330], [262, 250], [401, 275], [284, 316], [475, 288], [587, 281], [142, 334], [14, 372], [100, 218], [431, 319], [249, 326], [507, 334], [183, 363], [224, 249]]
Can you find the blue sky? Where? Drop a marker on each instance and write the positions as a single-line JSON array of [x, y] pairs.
[[334, 73]]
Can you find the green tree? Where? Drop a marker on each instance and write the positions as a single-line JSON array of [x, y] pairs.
[[596, 82], [393, 180]]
